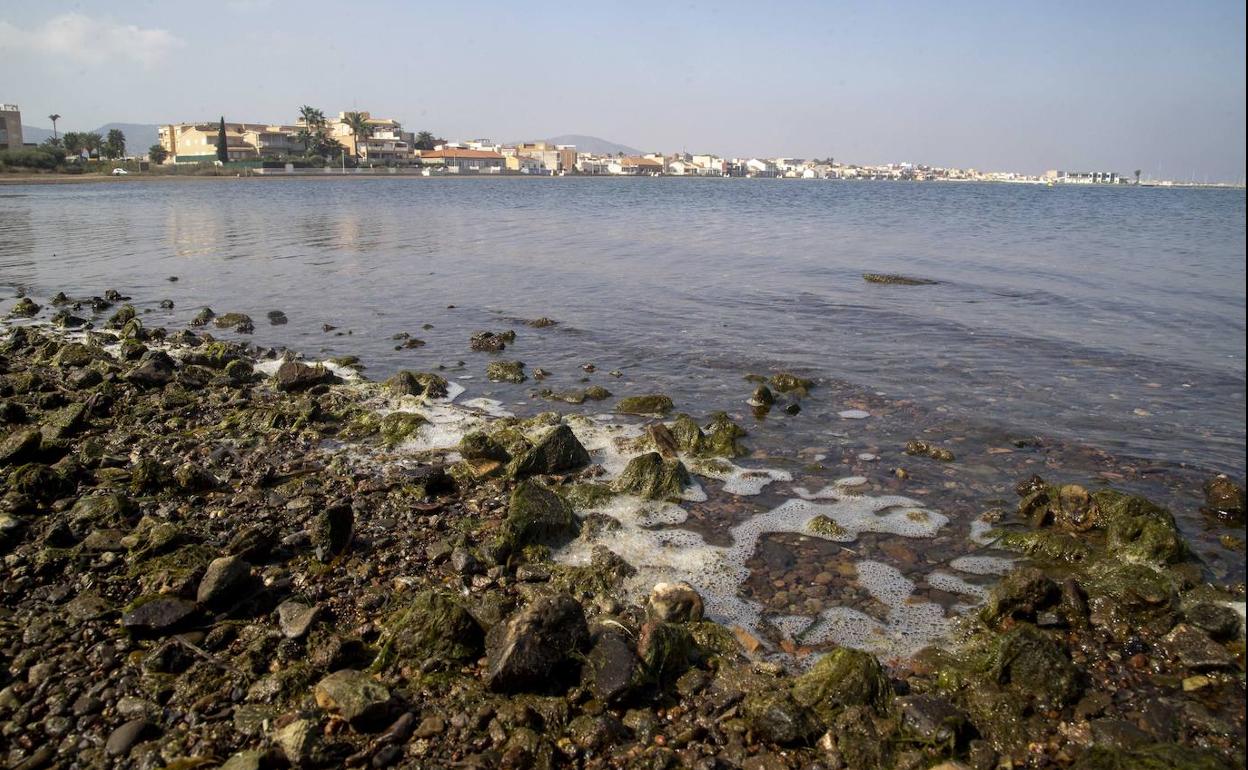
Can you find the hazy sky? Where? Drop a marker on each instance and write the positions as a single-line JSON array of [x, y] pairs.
[[992, 85]]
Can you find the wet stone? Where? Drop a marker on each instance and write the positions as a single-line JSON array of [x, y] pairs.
[[533, 649], [224, 582], [611, 667], [121, 740], [332, 530], [356, 697], [675, 602], [1217, 620], [931, 717], [295, 376], [1194, 649], [160, 615], [295, 618]]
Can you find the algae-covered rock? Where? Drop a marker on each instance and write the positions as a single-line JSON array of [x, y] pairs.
[[533, 650], [20, 445], [822, 526], [435, 625], [665, 650], [556, 451], [122, 317], [722, 437], [675, 602], [1021, 594], [787, 382], [893, 279], [652, 477], [773, 715], [424, 384], [239, 322], [24, 308], [355, 696], [491, 342], [397, 427], [536, 515], [842, 678], [1045, 544], [1224, 498], [505, 371], [1031, 664], [919, 448], [1138, 529], [479, 445], [76, 354], [654, 403]]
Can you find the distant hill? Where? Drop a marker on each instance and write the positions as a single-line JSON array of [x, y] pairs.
[[139, 136], [591, 144]]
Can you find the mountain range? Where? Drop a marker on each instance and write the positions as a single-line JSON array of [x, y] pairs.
[[591, 144], [139, 136]]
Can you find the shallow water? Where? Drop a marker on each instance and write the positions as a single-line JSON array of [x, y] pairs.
[[1109, 322]]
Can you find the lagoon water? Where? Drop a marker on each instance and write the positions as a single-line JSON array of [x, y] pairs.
[[1107, 319], [1059, 310]]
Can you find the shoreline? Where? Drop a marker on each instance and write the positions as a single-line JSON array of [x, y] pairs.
[[282, 506], [55, 179]]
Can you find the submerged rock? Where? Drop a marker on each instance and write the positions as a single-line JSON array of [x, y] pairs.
[[1224, 498], [505, 371], [533, 650], [892, 279], [652, 477], [919, 448], [644, 405], [787, 382], [556, 451], [491, 342]]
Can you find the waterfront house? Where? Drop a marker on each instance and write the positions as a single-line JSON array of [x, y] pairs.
[[635, 166], [455, 160], [197, 142]]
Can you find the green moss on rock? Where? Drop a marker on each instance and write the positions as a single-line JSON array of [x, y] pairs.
[[652, 477], [654, 403], [397, 427], [842, 678]]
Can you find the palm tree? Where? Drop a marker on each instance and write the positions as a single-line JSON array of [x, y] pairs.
[[54, 117], [360, 128], [72, 142], [313, 121], [425, 141], [1137, 176]]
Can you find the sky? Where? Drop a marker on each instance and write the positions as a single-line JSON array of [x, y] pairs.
[[1018, 85]]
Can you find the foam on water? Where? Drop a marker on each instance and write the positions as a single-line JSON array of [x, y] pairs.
[[983, 565], [269, 367], [955, 584], [737, 480], [979, 532], [853, 414]]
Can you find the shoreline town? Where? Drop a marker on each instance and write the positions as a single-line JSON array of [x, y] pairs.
[[357, 143]]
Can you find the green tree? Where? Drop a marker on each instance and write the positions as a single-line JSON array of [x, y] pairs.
[[72, 141], [425, 141], [223, 149], [360, 128], [115, 144], [312, 127], [92, 142], [157, 153]]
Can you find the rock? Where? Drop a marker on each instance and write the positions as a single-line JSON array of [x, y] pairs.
[[1194, 649], [537, 515], [665, 650], [121, 740], [924, 449], [299, 741], [892, 279], [478, 445], [277, 318], [295, 618], [841, 678], [424, 384], [787, 382], [556, 451], [74, 354], [1155, 756], [192, 478], [239, 322], [762, 396], [295, 376], [675, 603], [155, 369], [645, 405], [1217, 620], [245, 760], [650, 476], [397, 427], [1031, 664], [505, 371], [611, 667], [534, 649], [542, 322], [489, 342], [356, 697], [224, 583], [1224, 498], [332, 530], [1021, 594], [159, 615], [20, 446], [24, 308], [773, 715], [932, 717], [436, 626], [464, 562]]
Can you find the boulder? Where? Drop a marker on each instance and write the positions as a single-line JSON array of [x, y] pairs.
[[650, 476], [535, 649], [1021, 594], [505, 371], [434, 626], [295, 376], [842, 678], [424, 384], [20, 446], [557, 451], [1224, 498], [675, 603], [154, 370], [654, 403], [537, 515], [224, 582], [355, 696], [1030, 664]]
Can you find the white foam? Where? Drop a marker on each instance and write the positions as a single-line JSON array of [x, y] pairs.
[[979, 532], [487, 406], [853, 414], [954, 584], [983, 565], [827, 493], [737, 480], [867, 457], [851, 481], [792, 626]]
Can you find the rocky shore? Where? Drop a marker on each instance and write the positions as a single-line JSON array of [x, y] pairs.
[[217, 556]]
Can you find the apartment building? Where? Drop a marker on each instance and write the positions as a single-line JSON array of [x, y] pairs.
[[197, 142], [10, 127]]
